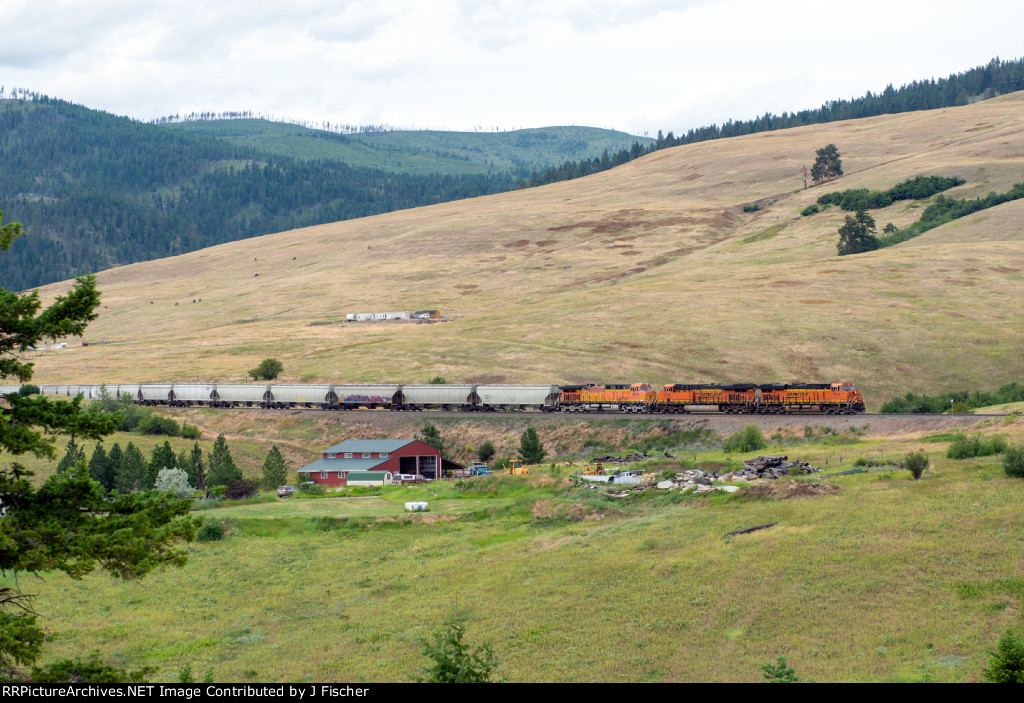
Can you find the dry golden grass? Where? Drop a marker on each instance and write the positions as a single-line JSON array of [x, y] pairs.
[[651, 271]]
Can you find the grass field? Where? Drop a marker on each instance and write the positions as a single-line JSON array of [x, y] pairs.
[[1003, 409], [888, 580], [651, 271]]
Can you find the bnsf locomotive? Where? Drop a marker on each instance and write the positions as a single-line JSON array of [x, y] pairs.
[[840, 398], [637, 398]]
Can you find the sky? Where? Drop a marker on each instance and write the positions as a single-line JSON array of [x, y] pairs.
[[632, 65]]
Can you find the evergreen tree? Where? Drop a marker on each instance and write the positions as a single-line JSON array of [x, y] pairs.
[[101, 469], [857, 234], [163, 457], [115, 467], [67, 524], [275, 470], [133, 474], [530, 447], [429, 434], [222, 467], [71, 458], [181, 462], [196, 470], [827, 164]]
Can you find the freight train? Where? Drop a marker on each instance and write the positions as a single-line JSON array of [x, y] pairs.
[[829, 398]]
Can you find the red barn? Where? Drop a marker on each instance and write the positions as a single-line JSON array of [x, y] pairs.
[[397, 456]]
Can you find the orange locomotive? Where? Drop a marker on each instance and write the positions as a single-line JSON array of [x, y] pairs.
[[828, 398], [636, 398]]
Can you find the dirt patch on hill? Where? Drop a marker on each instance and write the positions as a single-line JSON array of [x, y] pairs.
[[783, 490], [564, 512]]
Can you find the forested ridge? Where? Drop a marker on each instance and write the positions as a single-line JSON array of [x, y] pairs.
[[995, 78], [94, 190]]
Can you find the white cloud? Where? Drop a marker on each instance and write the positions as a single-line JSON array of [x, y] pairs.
[[639, 65]]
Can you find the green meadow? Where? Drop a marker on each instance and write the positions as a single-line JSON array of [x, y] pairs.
[[890, 579]]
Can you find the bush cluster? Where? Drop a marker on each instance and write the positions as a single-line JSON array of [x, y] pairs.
[[157, 424], [964, 447], [912, 189], [749, 439], [912, 403]]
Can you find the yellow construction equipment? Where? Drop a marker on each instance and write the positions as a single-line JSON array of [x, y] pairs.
[[593, 470], [515, 467]]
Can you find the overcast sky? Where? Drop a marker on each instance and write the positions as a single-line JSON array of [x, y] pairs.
[[637, 66]]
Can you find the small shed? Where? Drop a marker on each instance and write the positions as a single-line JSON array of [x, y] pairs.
[[369, 478]]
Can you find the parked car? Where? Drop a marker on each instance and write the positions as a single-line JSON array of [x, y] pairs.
[[285, 491], [401, 479]]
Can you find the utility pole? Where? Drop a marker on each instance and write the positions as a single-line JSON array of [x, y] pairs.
[[805, 176]]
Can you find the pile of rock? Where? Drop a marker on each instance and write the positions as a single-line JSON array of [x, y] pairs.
[[609, 459], [754, 471], [769, 467], [699, 480]]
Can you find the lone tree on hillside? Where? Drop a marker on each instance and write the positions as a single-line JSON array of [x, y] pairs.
[[268, 370], [530, 447], [827, 164], [68, 523], [857, 234]]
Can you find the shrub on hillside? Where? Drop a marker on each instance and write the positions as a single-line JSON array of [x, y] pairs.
[[241, 488], [28, 389], [749, 439], [485, 451], [267, 370], [313, 489], [155, 424], [189, 431], [1013, 462], [916, 463], [211, 531]]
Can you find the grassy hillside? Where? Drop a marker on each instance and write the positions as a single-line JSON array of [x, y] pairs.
[[650, 271], [883, 579], [421, 152]]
